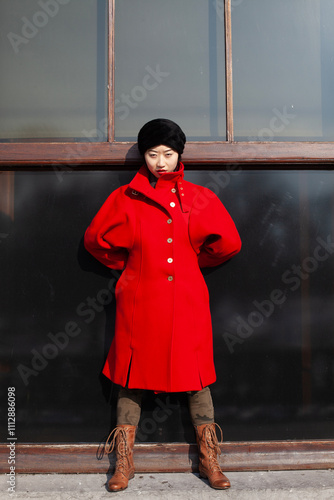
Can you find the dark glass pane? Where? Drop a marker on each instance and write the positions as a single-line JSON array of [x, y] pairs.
[[272, 311], [53, 82], [170, 62], [283, 70]]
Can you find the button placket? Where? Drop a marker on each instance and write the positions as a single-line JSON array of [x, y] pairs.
[[169, 241]]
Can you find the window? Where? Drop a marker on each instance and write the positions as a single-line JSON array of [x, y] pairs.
[[248, 80], [180, 76], [53, 83], [283, 75]]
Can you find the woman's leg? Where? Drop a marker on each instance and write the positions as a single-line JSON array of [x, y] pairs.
[[122, 438], [129, 406], [201, 407], [202, 416]]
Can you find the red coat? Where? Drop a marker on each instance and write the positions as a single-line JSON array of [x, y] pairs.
[[161, 237]]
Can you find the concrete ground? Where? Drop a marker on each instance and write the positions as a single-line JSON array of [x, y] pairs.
[[278, 485]]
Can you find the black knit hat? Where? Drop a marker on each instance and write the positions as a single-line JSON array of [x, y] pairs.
[[161, 131]]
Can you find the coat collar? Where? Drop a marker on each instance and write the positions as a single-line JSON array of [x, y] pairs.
[[141, 184]]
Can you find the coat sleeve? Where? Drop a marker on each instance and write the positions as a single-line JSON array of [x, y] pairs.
[[110, 235], [212, 231]]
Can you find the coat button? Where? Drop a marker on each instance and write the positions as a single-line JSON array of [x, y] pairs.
[[173, 190], [172, 204], [169, 221], [170, 260], [169, 240], [170, 278]]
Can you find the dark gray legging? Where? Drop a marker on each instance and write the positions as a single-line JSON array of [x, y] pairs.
[[129, 406]]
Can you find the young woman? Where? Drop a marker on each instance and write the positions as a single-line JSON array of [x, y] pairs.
[[160, 230]]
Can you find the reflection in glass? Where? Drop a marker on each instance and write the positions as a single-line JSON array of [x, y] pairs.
[[283, 70], [53, 70], [170, 63], [272, 310]]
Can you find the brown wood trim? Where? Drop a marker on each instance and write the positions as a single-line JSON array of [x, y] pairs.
[[228, 70], [7, 194], [64, 155], [171, 457]]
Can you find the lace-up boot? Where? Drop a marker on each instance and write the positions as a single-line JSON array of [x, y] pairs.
[[208, 448], [122, 439]]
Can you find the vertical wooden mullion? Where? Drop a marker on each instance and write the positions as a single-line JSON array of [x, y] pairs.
[[228, 65], [7, 194], [111, 76]]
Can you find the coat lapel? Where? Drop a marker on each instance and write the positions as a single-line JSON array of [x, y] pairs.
[[141, 184]]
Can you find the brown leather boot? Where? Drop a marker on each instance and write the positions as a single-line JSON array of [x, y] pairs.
[[122, 438], [208, 448]]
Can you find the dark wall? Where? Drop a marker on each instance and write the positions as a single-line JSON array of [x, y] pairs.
[[272, 311]]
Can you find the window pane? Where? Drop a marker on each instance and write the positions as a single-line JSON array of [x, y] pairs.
[[272, 310], [283, 71], [170, 63], [53, 69]]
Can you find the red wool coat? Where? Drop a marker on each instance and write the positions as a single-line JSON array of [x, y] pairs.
[[161, 237]]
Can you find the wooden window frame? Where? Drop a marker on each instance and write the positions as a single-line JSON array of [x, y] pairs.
[[212, 154]]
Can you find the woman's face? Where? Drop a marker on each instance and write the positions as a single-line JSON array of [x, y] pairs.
[[161, 159]]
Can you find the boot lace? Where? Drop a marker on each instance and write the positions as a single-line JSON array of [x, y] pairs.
[[212, 445], [117, 440]]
